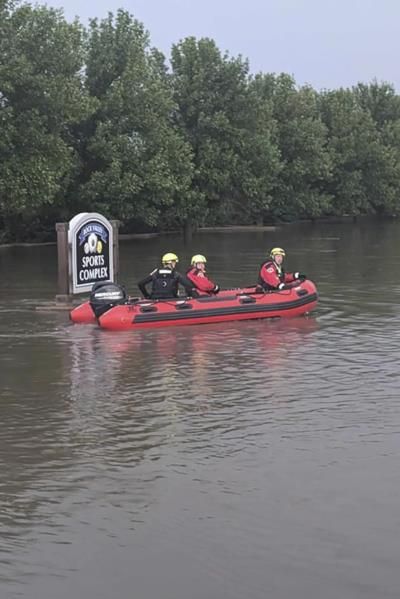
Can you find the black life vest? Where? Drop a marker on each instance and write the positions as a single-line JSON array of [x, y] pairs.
[[164, 283]]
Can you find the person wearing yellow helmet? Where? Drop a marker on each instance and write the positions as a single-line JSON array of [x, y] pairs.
[[197, 275], [165, 280], [272, 275]]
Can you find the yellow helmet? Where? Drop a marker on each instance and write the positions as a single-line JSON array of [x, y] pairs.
[[198, 258], [169, 257], [277, 252]]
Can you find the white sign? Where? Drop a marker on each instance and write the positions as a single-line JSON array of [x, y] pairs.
[[91, 254]]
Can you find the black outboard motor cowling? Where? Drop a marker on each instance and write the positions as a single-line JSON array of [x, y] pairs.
[[105, 296]]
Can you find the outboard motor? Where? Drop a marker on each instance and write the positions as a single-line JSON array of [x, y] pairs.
[[105, 296]]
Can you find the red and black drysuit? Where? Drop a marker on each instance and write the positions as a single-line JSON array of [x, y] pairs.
[[271, 276], [201, 282]]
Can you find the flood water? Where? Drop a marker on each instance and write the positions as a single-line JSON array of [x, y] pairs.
[[245, 460]]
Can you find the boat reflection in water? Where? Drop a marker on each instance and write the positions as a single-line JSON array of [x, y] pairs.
[[205, 363]]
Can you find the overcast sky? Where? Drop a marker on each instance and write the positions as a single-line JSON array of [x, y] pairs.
[[327, 43]]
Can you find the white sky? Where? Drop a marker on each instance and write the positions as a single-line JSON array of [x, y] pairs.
[[327, 43]]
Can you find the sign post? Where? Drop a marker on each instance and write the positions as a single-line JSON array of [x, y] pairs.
[[62, 256], [87, 250]]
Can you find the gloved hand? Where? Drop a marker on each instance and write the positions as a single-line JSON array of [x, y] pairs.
[[300, 275], [216, 289]]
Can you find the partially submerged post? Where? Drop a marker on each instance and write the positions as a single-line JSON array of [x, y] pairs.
[[62, 257], [87, 249]]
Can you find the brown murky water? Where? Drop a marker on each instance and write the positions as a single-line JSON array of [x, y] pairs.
[[242, 460]]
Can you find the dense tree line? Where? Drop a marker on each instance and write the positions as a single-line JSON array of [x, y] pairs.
[[94, 119]]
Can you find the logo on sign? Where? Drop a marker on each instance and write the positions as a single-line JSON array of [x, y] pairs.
[[96, 235]]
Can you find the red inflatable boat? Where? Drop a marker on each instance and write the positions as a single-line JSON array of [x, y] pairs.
[[236, 304]]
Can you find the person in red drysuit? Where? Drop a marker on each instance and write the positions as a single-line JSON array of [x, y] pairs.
[[197, 275], [272, 275]]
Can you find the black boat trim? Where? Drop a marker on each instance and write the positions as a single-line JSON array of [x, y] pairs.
[[150, 308], [184, 306], [243, 309], [205, 299]]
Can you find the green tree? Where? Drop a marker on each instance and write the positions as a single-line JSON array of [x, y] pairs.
[[138, 164], [259, 167], [219, 116], [41, 98], [380, 100], [365, 173], [382, 181], [302, 141]]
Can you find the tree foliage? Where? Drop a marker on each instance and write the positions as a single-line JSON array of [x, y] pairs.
[[94, 119], [140, 163], [365, 159], [42, 96], [302, 141]]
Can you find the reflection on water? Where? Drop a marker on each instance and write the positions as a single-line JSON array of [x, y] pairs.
[[252, 459]]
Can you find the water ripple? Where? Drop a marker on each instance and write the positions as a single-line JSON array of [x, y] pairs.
[[245, 460]]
